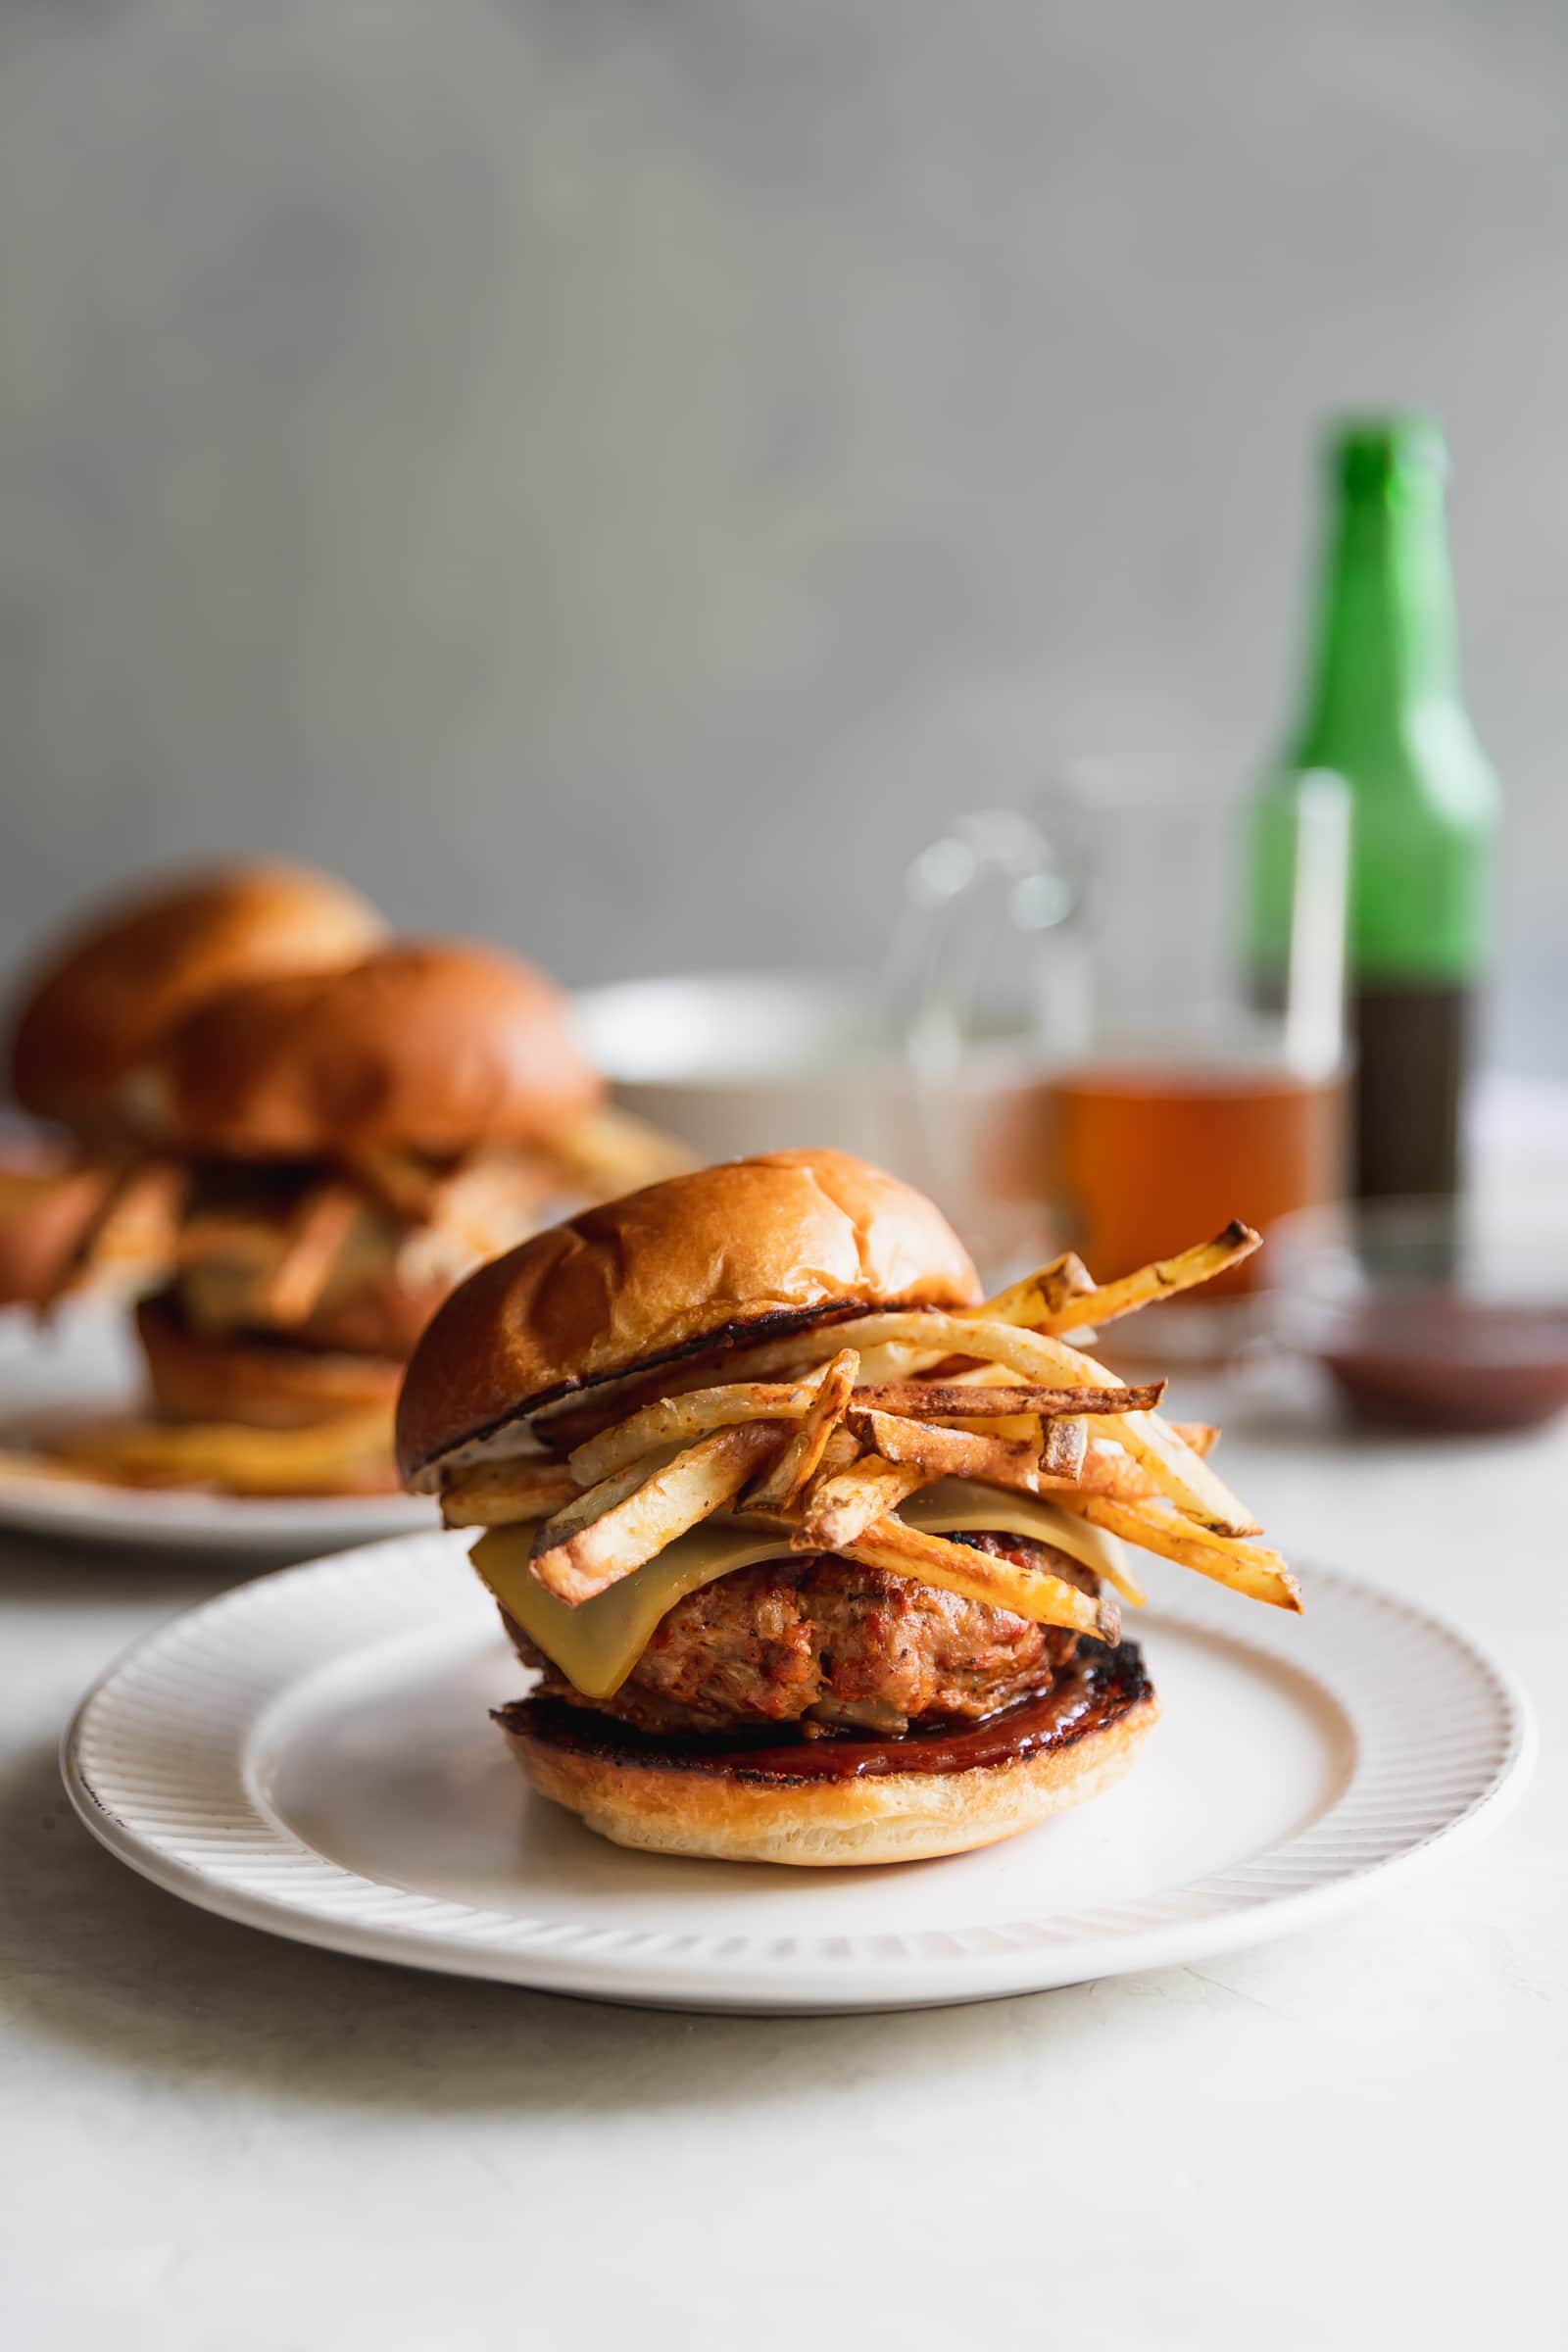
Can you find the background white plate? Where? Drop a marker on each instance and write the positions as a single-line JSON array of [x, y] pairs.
[[311, 1754], [85, 1363], [85, 1510]]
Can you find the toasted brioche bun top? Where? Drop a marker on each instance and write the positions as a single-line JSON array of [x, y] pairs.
[[426, 1046], [96, 1009], [743, 1251]]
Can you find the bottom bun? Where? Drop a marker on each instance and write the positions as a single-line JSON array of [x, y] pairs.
[[736, 1806], [254, 1380]]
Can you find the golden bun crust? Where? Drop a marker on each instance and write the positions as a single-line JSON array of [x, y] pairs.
[[46, 1206], [750, 1247], [97, 1006], [194, 1378], [824, 1823], [426, 1046]]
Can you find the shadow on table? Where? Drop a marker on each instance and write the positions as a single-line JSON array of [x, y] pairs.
[[99, 1958]]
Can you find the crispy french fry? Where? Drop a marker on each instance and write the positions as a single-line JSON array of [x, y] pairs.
[[614, 1152], [588, 1503], [50, 1199], [1109, 1470], [677, 1420], [960, 1401], [1181, 1474], [317, 1233], [947, 1453], [133, 1231], [840, 1453], [800, 1458], [1201, 1436], [501, 1493], [21, 1468], [409, 1186], [1066, 1443], [837, 1507], [1034, 1592], [575, 1558], [965, 1379], [1040, 1295], [1248, 1568], [346, 1455], [1110, 1301]]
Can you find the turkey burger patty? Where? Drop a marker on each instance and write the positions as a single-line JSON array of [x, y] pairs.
[[828, 1643]]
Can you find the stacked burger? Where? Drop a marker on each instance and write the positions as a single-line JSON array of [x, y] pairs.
[[815, 1553], [352, 1144], [294, 1164]]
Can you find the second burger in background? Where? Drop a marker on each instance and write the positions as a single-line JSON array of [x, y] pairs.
[[347, 1146]]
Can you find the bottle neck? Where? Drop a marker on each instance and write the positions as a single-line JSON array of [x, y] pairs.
[[1387, 642]]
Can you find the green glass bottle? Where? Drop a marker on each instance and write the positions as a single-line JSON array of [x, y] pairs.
[[1383, 709]]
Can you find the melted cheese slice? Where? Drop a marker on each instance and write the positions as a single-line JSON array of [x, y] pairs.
[[597, 1643]]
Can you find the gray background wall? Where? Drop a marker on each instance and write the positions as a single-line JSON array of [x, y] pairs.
[[616, 474]]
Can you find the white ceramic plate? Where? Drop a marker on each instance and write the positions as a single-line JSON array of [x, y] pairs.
[[311, 1754], [84, 1364], [86, 1511]]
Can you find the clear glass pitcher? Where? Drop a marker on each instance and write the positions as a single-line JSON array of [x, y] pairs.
[[1172, 1017]]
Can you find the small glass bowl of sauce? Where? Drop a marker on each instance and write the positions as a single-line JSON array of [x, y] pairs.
[[1429, 1314]]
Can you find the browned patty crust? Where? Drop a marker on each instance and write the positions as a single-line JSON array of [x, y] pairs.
[[824, 1641]]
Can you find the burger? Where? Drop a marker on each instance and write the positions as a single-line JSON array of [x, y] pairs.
[[814, 1554], [89, 1014], [289, 1135], [348, 1144]]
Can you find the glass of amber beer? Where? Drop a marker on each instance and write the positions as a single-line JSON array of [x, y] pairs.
[[1177, 1065]]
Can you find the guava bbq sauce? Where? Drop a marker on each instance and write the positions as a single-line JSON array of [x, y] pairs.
[[1098, 1688], [1433, 1360]]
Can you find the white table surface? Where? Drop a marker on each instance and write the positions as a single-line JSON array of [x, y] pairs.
[[217, 2140]]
